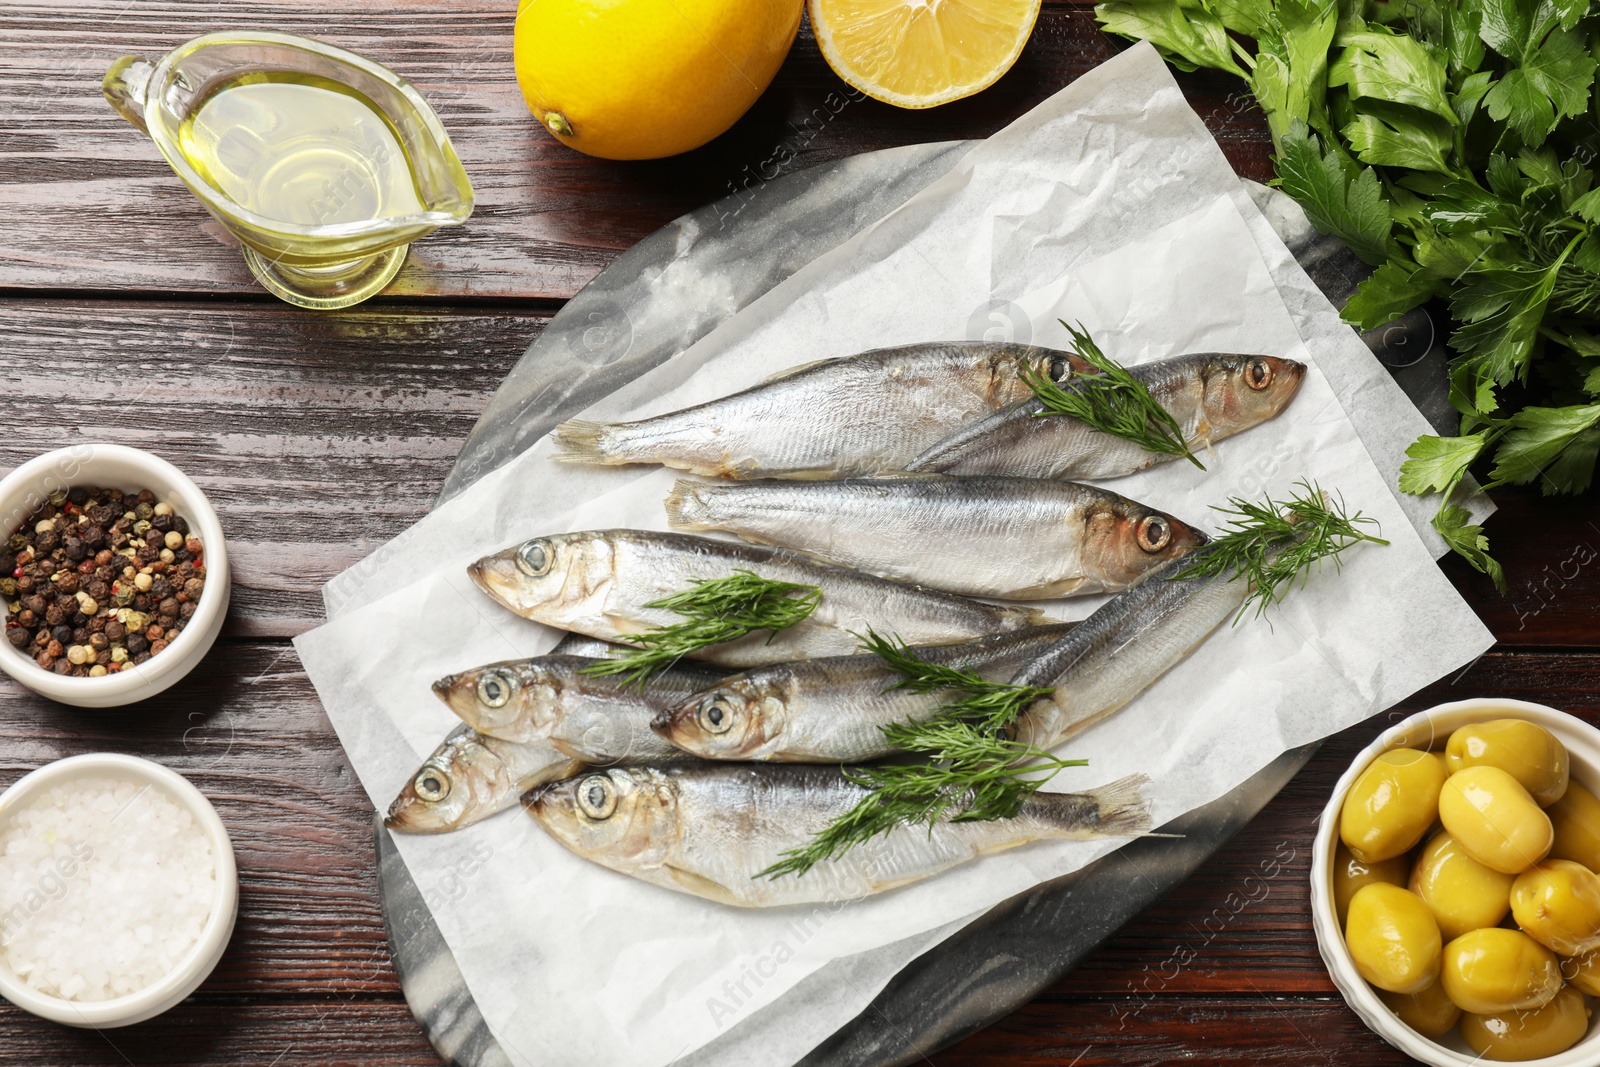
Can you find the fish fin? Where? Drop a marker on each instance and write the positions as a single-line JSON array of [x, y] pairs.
[[790, 372], [1124, 809], [701, 886], [686, 508], [1024, 616], [584, 442]]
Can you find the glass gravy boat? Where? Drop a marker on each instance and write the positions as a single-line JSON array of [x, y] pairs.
[[323, 164]]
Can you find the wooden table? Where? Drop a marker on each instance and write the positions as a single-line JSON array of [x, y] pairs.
[[320, 436]]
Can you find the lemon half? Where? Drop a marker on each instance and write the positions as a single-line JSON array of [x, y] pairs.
[[921, 53], [642, 79]]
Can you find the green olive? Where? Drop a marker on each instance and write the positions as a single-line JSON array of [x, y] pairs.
[[1463, 894], [1525, 750], [1350, 874], [1392, 804], [1576, 817], [1528, 1035], [1496, 970], [1430, 1012], [1495, 819], [1392, 938], [1557, 903], [1583, 971]]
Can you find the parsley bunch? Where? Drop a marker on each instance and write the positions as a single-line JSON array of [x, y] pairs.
[[1452, 144]]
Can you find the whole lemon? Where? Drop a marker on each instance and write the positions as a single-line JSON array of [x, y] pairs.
[[642, 79]]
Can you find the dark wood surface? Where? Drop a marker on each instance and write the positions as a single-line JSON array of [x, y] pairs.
[[321, 436]]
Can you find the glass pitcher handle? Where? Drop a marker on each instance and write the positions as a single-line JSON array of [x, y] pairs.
[[125, 87]]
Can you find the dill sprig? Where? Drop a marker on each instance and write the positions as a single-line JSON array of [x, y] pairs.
[[990, 706], [1271, 543], [1113, 401], [970, 769], [715, 611]]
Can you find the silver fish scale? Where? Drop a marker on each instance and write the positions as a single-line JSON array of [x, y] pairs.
[[1121, 649], [851, 601], [833, 710], [1017, 442], [1022, 538], [733, 822], [857, 414]]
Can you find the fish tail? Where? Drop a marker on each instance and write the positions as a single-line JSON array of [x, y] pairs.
[[1124, 810], [586, 442], [687, 507]]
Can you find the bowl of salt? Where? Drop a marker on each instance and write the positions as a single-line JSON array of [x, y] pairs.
[[118, 890]]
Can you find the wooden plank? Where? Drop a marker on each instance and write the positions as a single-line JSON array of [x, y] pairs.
[[1261, 1029], [92, 206], [332, 1032], [287, 419]]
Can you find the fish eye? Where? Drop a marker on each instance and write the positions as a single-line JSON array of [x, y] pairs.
[[597, 796], [431, 785], [1258, 374], [1155, 533], [716, 715], [1060, 368], [495, 689], [534, 559]]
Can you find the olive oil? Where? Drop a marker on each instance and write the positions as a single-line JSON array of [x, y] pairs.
[[300, 149]]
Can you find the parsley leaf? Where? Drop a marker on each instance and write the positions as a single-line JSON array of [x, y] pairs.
[[1389, 292], [1190, 37], [1379, 64], [1292, 64], [1552, 68], [1438, 463], [1468, 542], [1415, 145], [1558, 445], [1500, 309], [1340, 197]]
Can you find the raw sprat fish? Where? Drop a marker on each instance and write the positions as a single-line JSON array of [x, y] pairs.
[[1013, 538], [712, 829], [471, 777], [831, 710], [598, 583], [831, 419], [600, 720], [1120, 650], [1211, 395]]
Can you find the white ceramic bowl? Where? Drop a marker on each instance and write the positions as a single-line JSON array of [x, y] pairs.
[[118, 467], [1427, 729], [201, 959]]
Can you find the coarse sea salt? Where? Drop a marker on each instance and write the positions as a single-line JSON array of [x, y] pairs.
[[105, 885]]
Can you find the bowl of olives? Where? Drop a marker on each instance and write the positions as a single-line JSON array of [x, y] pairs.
[[1454, 887]]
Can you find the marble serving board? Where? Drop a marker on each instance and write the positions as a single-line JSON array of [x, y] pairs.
[[656, 300]]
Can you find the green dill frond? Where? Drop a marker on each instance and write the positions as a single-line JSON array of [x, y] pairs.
[[969, 768], [1113, 402], [1272, 544], [715, 611]]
